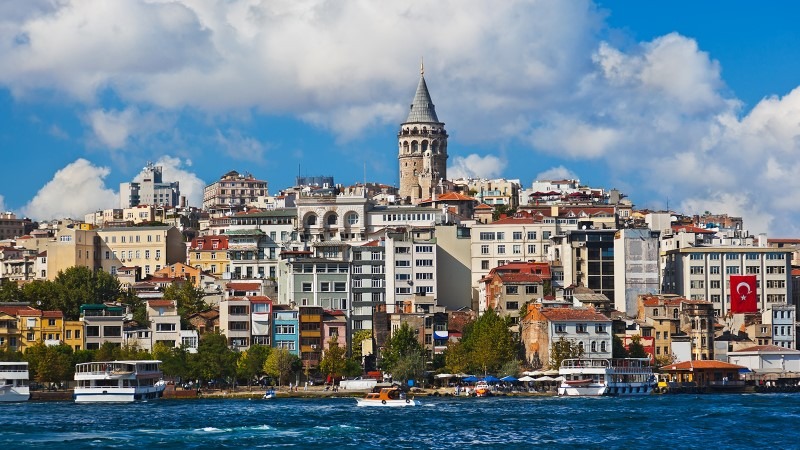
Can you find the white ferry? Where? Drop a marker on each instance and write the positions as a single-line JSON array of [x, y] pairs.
[[14, 382], [595, 377], [118, 381]]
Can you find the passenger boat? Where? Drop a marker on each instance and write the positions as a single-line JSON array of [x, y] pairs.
[[118, 381], [595, 377], [14, 382], [387, 396], [482, 389]]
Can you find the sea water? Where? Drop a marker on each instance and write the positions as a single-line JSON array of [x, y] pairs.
[[658, 421]]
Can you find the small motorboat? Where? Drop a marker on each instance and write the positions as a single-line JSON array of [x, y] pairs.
[[391, 396], [270, 394], [482, 389]]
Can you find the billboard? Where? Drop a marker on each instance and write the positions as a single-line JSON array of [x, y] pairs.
[[744, 296]]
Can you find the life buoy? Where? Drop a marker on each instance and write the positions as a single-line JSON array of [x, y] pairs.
[[383, 402]]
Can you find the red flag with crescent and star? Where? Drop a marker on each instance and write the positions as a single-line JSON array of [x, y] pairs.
[[744, 297]]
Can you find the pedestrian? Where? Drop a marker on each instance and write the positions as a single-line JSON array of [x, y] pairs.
[[290, 386], [305, 386]]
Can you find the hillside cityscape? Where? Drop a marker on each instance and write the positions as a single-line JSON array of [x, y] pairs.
[[321, 268]]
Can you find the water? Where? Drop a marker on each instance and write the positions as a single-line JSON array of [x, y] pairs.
[[665, 421]]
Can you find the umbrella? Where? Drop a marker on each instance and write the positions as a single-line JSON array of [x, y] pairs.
[[491, 379], [461, 375], [508, 378], [444, 375], [535, 373], [526, 378], [551, 372], [559, 379], [544, 378], [471, 379]]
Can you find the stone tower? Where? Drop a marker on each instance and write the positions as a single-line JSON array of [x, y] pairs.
[[422, 143]]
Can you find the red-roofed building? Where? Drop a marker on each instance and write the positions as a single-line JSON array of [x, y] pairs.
[[244, 289], [708, 374], [506, 288], [210, 254], [670, 316], [464, 205], [541, 327]]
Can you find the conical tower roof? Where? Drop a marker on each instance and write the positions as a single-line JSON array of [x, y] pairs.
[[422, 109]]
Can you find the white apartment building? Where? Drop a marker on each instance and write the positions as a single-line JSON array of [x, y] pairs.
[[151, 190], [410, 266], [703, 273], [782, 320]]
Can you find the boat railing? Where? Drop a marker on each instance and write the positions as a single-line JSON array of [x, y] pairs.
[[727, 383], [584, 363]]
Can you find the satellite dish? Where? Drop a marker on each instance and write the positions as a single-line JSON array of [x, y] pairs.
[[583, 227], [673, 219]]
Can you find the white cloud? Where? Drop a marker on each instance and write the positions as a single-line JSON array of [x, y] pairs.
[[75, 190], [117, 129], [240, 147], [556, 173], [175, 169], [476, 166]]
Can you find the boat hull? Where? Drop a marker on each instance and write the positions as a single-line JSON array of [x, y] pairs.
[[15, 394], [388, 403], [117, 395]]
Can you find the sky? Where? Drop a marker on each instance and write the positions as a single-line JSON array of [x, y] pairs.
[[691, 106]]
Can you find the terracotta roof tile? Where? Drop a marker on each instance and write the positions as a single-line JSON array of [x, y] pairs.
[[244, 286], [161, 303], [701, 364], [562, 314]]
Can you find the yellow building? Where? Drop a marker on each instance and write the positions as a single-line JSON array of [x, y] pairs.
[[73, 334], [181, 270], [9, 328], [210, 254], [71, 247], [150, 248]]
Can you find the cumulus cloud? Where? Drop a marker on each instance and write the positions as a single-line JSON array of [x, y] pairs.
[[175, 169], [75, 190], [240, 147], [556, 173], [115, 129], [476, 166]]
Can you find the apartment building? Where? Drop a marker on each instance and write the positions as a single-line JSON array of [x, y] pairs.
[[511, 286], [368, 282], [150, 248], [703, 273], [102, 323], [285, 326], [210, 254], [151, 190], [234, 188], [542, 326], [411, 265]]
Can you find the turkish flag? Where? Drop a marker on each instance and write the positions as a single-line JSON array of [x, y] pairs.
[[744, 298]]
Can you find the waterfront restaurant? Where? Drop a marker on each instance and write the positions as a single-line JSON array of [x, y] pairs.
[[706, 373]]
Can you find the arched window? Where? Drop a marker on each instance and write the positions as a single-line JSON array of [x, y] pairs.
[[414, 146], [424, 145], [702, 324], [594, 346], [603, 346], [352, 218], [332, 219], [312, 220], [675, 313]]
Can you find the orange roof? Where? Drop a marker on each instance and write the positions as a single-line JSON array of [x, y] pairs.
[[161, 303], [520, 278], [795, 272], [20, 310], [259, 299], [701, 364], [691, 229], [562, 314], [448, 197], [375, 243], [244, 286], [483, 206], [52, 314]]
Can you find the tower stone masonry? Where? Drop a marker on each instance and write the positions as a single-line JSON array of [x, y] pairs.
[[422, 147]]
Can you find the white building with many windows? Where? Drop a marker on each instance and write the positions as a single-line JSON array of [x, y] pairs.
[[410, 266], [703, 273]]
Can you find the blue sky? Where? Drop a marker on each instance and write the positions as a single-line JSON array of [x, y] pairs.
[[681, 104]]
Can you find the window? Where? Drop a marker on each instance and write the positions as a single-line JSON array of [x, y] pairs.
[[560, 328], [424, 263], [51, 322], [531, 289], [424, 248], [696, 270], [485, 264], [486, 236], [91, 331], [512, 290], [600, 329], [340, 286], [112, 331], [424, 275], [531, 248], [165, 327], [531, 235], [402, 290], [594, 346], [352, 218], [512, 306], [484, 249], [325, 286], [714, 270], [306, 287], [400, 263], [517, 235], [603, 346], [516, 249], [501, 249], [580, 328]]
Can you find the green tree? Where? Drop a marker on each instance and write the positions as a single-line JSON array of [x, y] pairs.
[[410, 366], [74, 287], [251, 363], [456, 357], [108, 351], [43, 294], [489, 343], [511, 368], [636, 349], [402, 342], [214, 359], [281, 364], [49, 364], [618, 349], [359, 337], [564, 349], [334, 360], [188, 298], [10, 292], [352, 368], [174, 360]]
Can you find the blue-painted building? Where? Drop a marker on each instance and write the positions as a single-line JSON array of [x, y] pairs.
[[285, 328]]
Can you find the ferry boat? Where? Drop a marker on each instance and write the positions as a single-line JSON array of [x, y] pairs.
[[387, 396], [595, 377], [14, 382], [118, 381]]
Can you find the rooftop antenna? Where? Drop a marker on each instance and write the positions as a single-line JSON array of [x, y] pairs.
[[421, 66]]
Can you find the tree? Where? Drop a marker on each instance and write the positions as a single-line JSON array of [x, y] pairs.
[[174, 360], [402, 342], [251, 363], [188, 299], [50, 364], [281, 364], [10, 292], [410, 366], [511, 368], [488, 342], [456, 357], [359, 337], [214, 359], [636, 349], [333, 361], [564, 349], [72, 288], [618, 349], [108, 351]]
